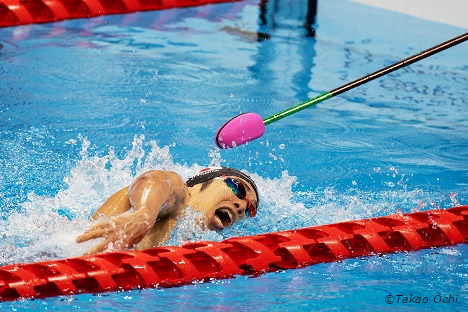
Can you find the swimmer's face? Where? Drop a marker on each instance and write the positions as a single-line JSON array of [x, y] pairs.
[[221, 206]]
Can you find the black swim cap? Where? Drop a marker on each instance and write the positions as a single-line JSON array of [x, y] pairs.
[[214, 172]]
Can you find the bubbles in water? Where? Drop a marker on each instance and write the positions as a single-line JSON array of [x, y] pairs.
[[453, 198], [215, 156], [190, 228]]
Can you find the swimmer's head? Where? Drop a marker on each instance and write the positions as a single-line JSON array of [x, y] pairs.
[[224, 194]]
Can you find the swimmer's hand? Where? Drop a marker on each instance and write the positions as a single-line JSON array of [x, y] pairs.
[[120, 232]]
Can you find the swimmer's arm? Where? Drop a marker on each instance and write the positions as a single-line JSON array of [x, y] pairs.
[[158, 192], [153, 194]]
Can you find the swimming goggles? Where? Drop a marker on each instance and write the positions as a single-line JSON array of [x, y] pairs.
[[238, 188]]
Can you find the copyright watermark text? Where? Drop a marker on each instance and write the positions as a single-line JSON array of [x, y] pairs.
[[415, 299]]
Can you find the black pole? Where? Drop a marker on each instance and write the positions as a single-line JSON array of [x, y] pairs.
[[400, 64], [360, 81]]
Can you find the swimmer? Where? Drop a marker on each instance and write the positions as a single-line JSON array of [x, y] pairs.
[[143, 215]]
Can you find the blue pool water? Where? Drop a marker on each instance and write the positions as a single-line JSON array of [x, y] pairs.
[[86, 105]]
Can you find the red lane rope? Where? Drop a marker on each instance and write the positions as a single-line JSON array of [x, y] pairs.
[[20, 12], [249, 255]]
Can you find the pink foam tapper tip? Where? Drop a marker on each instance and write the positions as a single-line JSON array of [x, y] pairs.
[[240, 130]]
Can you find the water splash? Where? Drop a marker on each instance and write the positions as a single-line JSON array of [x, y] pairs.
[[44, 227]]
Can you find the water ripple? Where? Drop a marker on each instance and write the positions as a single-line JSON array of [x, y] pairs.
[[7, 47]]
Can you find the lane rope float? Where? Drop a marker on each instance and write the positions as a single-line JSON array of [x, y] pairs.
[[20, 12], [250, 255]]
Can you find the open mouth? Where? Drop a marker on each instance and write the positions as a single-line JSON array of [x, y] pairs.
[[223, 217]]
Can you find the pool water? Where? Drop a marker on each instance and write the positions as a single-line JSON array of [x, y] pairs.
[[88, 104]]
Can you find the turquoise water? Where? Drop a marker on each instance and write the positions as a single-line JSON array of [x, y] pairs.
[[86, 105]]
